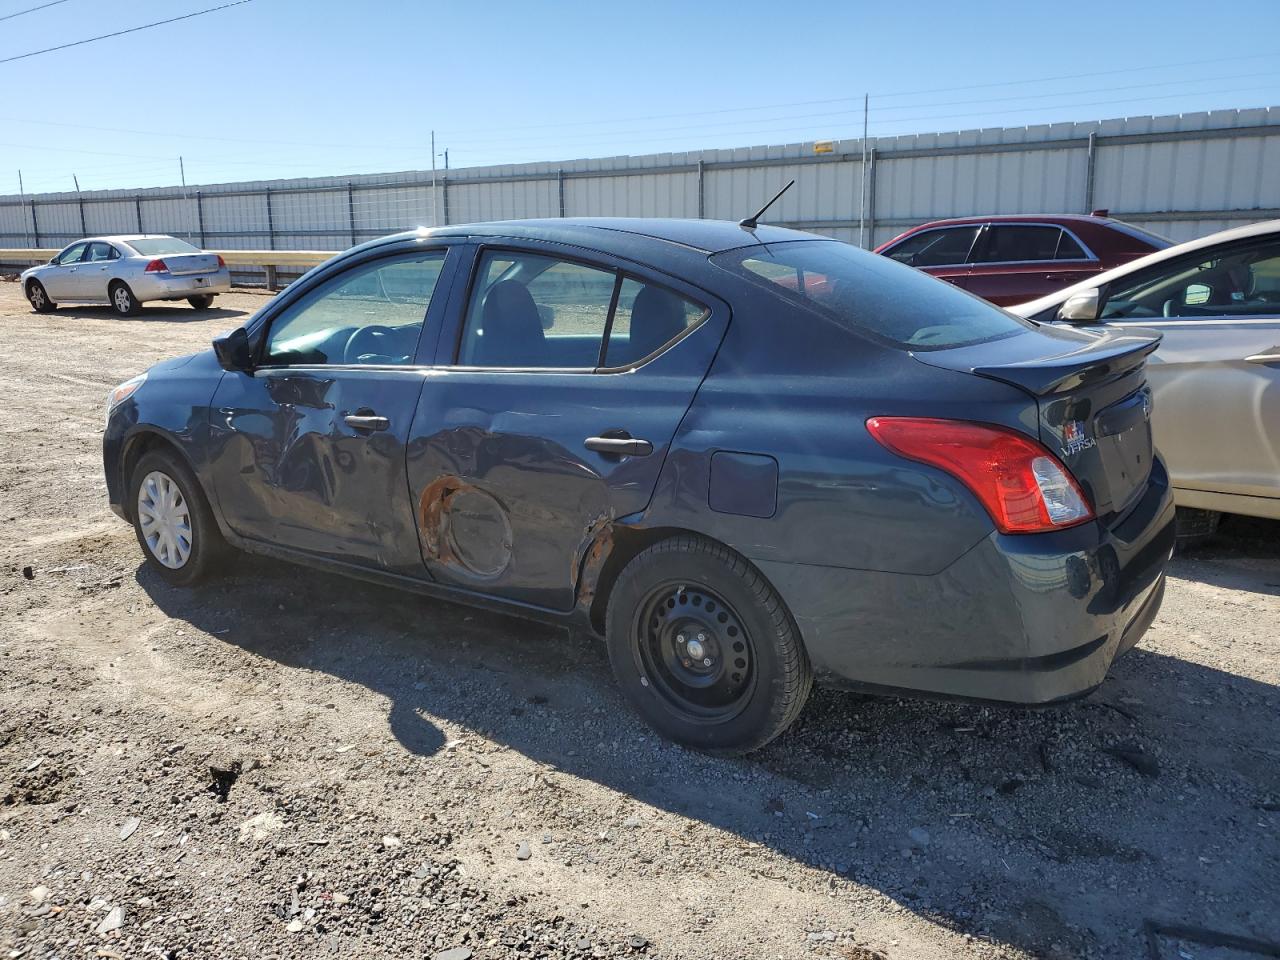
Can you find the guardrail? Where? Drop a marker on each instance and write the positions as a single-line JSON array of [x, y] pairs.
[[268, 260]]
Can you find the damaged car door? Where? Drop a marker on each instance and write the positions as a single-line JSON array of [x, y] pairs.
[[561, 381], [309, 444]]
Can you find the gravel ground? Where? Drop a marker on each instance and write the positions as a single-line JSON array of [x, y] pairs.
[[287, 764]]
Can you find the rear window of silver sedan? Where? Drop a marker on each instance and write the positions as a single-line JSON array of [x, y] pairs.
[[873, 294], [159, 246]]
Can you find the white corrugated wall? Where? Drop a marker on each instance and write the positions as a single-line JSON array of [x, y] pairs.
[[1183, 175]]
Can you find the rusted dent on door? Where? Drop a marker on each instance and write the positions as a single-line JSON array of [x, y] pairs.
[[433, 517], [599, 543]]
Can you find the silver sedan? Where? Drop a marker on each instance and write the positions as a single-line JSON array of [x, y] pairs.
[[126, 272], [1216, 375]]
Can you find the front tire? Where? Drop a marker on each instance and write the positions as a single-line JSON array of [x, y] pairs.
[[39, 298], [201, 301], [123, 302], [704, 648], [173, 522]]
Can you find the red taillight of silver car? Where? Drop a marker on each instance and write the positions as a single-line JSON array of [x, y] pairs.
[[156, 266], [222, 264], [1024, 487]]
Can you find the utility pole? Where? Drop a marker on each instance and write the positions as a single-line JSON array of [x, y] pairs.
[[22, 198], [862, 205], [433, 178]]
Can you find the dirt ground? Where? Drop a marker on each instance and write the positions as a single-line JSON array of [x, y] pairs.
[[397, 777]]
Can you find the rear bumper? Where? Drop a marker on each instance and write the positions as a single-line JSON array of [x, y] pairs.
[[158, 286], [1021, 619]]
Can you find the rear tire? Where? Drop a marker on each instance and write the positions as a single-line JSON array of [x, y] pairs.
[[174, 524], [1195, 527], [39, 297], [704, 648], [123, 302], [202, 301]]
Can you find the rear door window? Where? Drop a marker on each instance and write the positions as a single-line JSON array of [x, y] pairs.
[[99, 252], [935, 248], [1018, 244], [871, 294], [533, 311], [647, 318]]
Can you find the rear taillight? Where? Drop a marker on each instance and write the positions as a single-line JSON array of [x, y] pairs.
[[156, 266], [1024, 487], [222, 264]]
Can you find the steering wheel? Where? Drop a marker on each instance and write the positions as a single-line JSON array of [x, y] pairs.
[[365, 340]]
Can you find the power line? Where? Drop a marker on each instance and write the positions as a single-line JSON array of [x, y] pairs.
[[52, 3], [120, 33]]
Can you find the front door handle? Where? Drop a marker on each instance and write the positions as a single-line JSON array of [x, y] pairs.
[[619, 446], [1270, 356], [360, 421]]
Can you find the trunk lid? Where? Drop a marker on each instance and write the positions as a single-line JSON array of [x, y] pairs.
[[184, 264], [1093, 403]]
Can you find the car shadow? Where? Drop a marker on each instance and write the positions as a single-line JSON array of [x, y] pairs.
[[1049, 830], [169, 314]]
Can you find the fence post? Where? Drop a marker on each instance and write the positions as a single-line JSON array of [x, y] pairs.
[[83, 229], [560, 189], [200, 217], [35, 224], [444, 197], [351, 211], [1090, 164], [271, 226], [137, 211], [871, 199], [702, 190]]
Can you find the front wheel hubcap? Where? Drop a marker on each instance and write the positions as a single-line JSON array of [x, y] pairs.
[[165, 520], [695, 652], [37, 297]]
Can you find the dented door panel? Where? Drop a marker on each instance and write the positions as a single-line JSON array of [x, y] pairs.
[[508, 500], [289, 469]]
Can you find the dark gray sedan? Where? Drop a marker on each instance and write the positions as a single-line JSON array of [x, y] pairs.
[[749, 458]]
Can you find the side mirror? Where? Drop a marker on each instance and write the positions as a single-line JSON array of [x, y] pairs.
[[1081, 307], [232, 350]]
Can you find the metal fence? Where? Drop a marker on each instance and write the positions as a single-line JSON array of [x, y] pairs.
[[1183, 176]]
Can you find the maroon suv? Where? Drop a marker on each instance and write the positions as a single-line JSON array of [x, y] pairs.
[[1014, 259]]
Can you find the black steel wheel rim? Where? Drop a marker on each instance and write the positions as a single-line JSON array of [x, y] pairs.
[[694, 651]]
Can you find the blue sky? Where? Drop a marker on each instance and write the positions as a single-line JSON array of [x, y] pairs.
[[286, 88]]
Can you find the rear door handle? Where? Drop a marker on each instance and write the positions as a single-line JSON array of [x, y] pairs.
[[619, 446], [1271, 356], [359, 421]]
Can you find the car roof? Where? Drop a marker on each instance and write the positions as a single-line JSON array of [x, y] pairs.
[[1055, 218], [122, 238], [708, 236], [1212, 240]]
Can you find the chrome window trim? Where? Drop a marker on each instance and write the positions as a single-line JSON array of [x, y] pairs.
[[1089, 257]]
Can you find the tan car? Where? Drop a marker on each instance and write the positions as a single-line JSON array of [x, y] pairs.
[[1216, 375]]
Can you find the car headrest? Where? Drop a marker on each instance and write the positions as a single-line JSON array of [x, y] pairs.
[[512, 327]]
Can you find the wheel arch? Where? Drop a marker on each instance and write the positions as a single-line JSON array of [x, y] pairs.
[[137, 445], [610, 552]]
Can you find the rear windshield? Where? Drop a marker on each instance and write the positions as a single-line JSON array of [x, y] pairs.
[[873, 294], [158, 246]]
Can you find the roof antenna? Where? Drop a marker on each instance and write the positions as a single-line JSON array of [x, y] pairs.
[[750, 222]]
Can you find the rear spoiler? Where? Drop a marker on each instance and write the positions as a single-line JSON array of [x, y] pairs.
[[1014, 361]]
